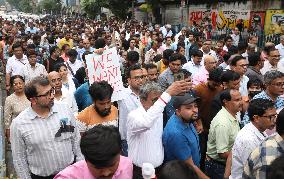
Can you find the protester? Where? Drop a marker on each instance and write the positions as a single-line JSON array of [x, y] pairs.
[[252, 135], [59, 135], [60, 95], [272, 148], [222, 133], [101, 111], [14, 105], [101, 147], [146, 121]]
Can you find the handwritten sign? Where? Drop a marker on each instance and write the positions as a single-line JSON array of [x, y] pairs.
[[106, 67]]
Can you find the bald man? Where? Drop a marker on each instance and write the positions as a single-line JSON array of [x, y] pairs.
[[62, 96], [210, 63]]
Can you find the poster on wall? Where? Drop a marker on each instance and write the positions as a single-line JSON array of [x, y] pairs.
[[200, 16], [274, 22], [257, 19], [223, 19]]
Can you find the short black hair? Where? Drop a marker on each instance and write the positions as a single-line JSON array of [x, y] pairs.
[[15, 77], [72, 53], [230, 75], [31, 87], [233, 50], [236, 59], [226, 57], [31, 46], [100, 91], [65, 46], [242, 46], [177, 169], [167, 54], [225, 95], [186, 73], [59, 65], [157, 58], [228, 38], [53, 49], [132, 56], [255, 82], [215, 75], [254, 58], [136, 66], [16, 45], [271, 50], [175, 57], [31, 53], [280, 123], [258, 107], [197, 53], [276, 168], [100, 43], [150, 66], [100, 145]]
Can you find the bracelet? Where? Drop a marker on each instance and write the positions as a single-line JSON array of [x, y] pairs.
[[163, 100]]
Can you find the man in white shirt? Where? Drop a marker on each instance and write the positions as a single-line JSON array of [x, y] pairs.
[[236, 36], [194, 66], [145, 125], [72, 63], [273, 62], [240, 65], [62, 96], [15, 63], [262, 114], [33, 69], [130, 101], [280, 47]]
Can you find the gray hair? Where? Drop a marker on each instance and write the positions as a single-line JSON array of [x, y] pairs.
[[272, 75], [282, 37], [149, 87]]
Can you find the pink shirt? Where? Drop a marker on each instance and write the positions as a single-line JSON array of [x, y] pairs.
[[79, 170], [200, 77]]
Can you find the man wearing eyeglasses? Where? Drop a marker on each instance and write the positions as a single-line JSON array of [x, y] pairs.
[[44, 138], [262, 114], [62, 95], [131, 100], [273, 62], [240, 65]]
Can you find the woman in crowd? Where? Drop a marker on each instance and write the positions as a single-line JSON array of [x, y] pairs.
[[68, 82], [14, 105]]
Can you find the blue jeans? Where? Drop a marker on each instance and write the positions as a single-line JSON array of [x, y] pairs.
[[124, 148], [214, 170]]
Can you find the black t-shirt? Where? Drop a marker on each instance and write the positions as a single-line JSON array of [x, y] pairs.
[[50, 64]]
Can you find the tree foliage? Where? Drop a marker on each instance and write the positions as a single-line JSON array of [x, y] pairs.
[[118, 7], [21, 5], [50, 6]]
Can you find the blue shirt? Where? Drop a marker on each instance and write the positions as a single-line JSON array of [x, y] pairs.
[[83, 97], [181, 141]]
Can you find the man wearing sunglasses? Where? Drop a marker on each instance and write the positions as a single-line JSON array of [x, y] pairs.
[[44, 138]]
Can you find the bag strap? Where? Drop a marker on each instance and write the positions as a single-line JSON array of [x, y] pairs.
[[70, 69]]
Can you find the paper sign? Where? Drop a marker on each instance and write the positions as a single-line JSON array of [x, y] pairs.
[[106, 67]]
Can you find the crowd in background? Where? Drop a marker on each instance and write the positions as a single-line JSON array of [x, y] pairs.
[[192, 107]]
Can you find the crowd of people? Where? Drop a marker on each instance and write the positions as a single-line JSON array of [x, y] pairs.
[[192, 107]]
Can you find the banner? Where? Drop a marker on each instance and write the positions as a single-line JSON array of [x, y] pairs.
[[200, 16], [274, 22], [230, 18], [106, 67]]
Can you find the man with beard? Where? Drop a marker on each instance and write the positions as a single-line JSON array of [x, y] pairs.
[[62, 95], [44, 137], [102, 111], [180, 138]]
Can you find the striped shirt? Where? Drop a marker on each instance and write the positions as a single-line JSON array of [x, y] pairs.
[[36, 149]]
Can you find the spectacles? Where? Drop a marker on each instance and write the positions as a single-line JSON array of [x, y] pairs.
[[280, 84], [271, 117], [138, 77], [52, 91], [243, 65], [58, 79]]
